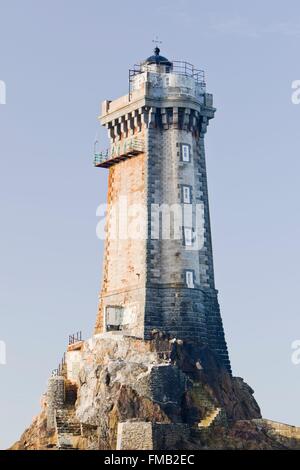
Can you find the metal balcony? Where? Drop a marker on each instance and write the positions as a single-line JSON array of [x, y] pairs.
[[178, 67], [118, 152]]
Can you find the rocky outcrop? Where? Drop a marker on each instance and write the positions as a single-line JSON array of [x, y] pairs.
[[174, 393], [37, 436]]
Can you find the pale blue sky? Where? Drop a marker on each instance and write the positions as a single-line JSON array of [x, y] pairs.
[[59, 60]]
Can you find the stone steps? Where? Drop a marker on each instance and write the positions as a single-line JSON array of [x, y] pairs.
[[67, 426], [213, 413], [210, 418]]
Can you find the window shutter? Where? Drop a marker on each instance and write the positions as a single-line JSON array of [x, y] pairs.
[[188, 236], [189, 276], [186, 194], [185, 153]]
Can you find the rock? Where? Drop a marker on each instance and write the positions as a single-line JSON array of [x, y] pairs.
[[175, 390]]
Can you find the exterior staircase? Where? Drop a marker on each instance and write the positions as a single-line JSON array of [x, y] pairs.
[[212, 413], [210, 418], [67, 426]]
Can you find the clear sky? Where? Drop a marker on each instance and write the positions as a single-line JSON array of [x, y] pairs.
[[59, 60]]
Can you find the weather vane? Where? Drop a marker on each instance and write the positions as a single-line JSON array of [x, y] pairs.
[[156, 41]]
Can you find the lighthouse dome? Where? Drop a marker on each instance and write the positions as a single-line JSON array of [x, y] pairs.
[[157, 58]]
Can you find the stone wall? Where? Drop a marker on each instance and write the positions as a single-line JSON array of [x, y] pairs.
[[280, 430], [148, 436], [55, 398], [135, 436]]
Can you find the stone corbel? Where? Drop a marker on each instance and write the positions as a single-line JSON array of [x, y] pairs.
[[193, 121], [186, 118], [131, 123], [145, 117], [110, 130], [117, 128], [164, 118], [136, 118], [175, 118], [152, 115], [139, 121], [124, 128], [203, 125]]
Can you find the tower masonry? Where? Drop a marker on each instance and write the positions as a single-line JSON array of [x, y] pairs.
[[158, 272]]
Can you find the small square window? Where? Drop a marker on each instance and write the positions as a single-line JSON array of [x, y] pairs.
[[185, 153], [186, 194], [188, 236], [189, 279], [114, 318]]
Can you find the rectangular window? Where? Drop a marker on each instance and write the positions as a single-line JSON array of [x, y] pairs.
[[189, 279], [185, 153], [114, 318], [186, 194], [188, 236]]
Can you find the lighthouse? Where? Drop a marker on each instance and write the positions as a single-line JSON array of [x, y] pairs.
[[158, 272], [155, 375]]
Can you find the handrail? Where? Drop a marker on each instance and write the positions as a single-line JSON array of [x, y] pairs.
[[120, 149]]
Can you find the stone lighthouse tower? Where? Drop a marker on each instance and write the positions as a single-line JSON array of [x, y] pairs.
[[158, 272]]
